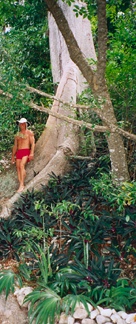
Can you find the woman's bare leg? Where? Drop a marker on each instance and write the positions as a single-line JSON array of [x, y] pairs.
[[18, 169], [21, 172]]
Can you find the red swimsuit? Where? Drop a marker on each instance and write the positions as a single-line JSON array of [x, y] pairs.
[[21, 153]]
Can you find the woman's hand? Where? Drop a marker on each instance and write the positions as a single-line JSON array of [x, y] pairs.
[[31, 157], [13, 160]]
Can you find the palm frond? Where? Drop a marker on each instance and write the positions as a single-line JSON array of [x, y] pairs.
[[69, 302], [7, 281], [45, 305]]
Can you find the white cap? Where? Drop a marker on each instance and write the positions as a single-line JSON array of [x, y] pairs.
[[22, 120]]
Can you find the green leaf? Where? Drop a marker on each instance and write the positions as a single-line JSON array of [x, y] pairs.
[[45, 305], [7, 281]]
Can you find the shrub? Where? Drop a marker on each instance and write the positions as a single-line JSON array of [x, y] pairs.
[[72, 238]]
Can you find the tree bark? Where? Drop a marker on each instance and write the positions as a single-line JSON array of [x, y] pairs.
[[97, 83], [55, 131]]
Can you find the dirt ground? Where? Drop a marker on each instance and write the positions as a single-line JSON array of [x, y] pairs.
[[8, 178]]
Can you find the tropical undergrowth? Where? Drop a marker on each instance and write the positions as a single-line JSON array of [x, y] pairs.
[[24, 61], [73, 241]]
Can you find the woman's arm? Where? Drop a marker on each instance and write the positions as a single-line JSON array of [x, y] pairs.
[[14, 151], [32, 143]]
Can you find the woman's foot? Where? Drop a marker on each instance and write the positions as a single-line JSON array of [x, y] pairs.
[[21, 188]]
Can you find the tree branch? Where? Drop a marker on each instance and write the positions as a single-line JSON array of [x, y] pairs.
[[80, 157], [44, 94], [102, 42], [80, 123], [77, 106], [75, 52], [109, 127]]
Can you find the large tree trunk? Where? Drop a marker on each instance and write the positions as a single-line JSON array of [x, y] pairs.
[[96, 80], [70, 83], [59, 138], [80, 47], [119, 167]]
